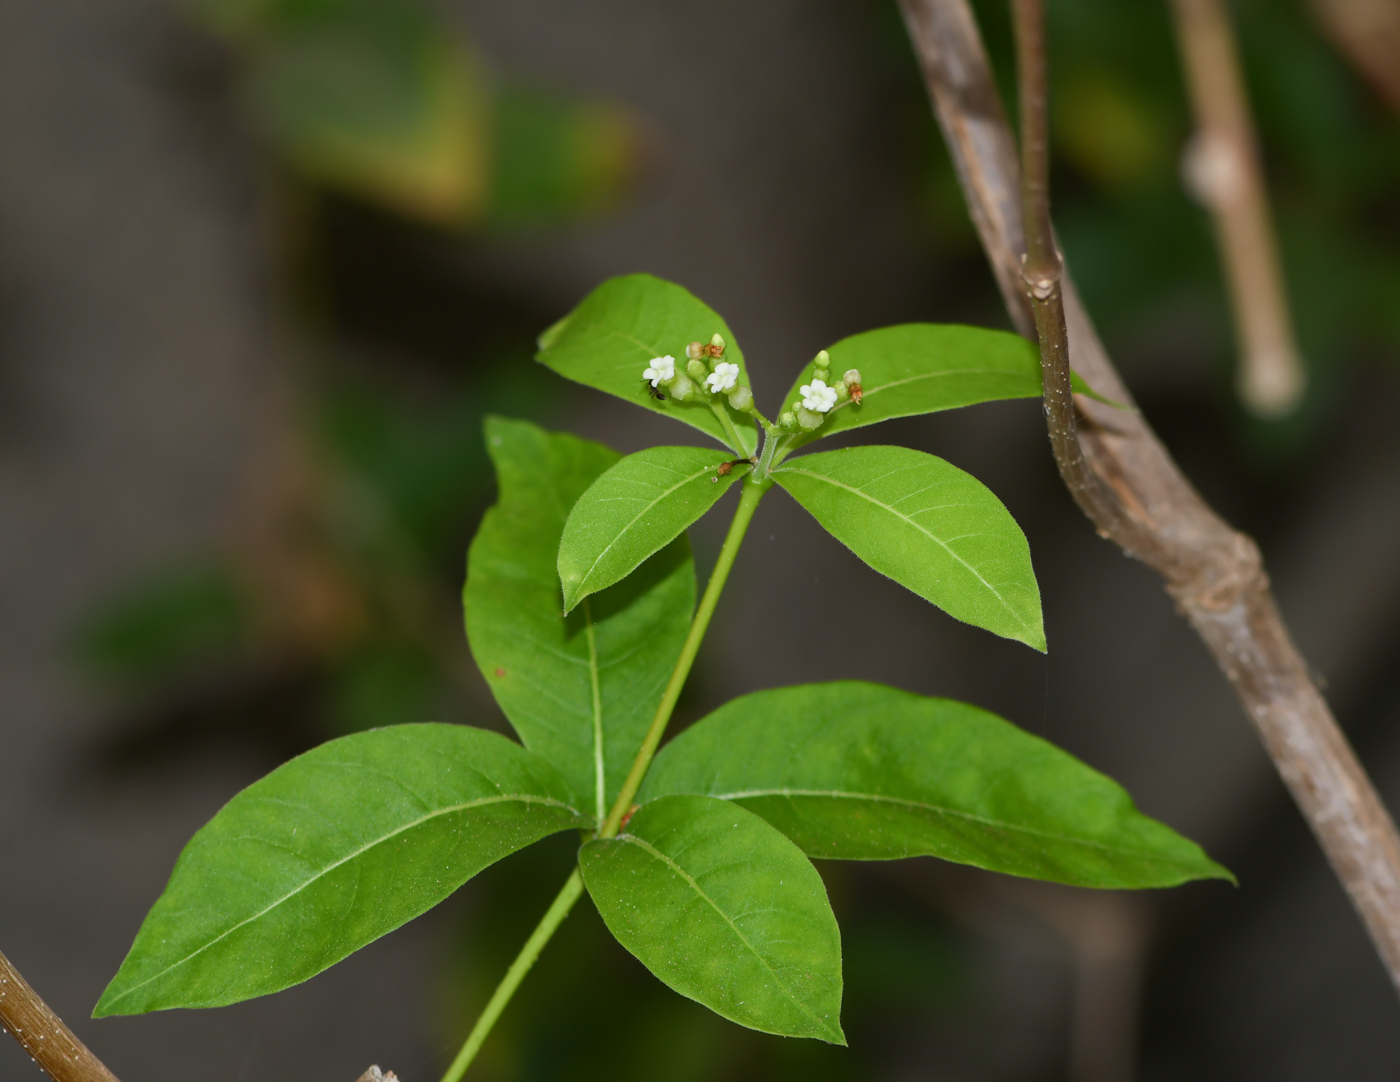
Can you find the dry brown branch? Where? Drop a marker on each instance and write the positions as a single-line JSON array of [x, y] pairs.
[[1214, 572], [42, 1033], [1221, 167], [1368, 34]]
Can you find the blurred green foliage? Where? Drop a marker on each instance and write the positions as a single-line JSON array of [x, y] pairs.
[[384, 100], [155, 627]]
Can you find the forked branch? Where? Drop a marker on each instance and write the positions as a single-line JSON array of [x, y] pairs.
[[1214, 572]]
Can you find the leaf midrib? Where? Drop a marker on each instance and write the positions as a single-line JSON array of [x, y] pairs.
[[952, 813], [900, 515], [527, 798], [641, 843]]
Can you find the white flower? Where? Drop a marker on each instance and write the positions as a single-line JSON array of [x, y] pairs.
[[723, 377], [818, 396], [661, 370]]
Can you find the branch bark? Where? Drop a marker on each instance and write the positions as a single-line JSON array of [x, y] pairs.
[[1368, 34], [1222, 168], [1214, 572], [42, 1033]]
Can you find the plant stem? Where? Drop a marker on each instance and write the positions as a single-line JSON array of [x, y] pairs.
[[1041, 276], [765, 460], [1223, 170], [42, 1033], [1214, 572], [549, 923], [753, 490], [729, 429]]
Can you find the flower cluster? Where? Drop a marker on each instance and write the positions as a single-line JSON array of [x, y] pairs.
[[706, 372], [820, 397]]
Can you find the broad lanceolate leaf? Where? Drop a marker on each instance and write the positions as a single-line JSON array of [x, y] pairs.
[[608, 340], [859, 771], [579, 690], [634, 509], [328, 853], [915, 368], [725, 910], [929, 526]]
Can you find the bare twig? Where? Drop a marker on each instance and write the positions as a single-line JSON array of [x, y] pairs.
[[42, 1033], [1368, 34], [1222, 169], [1214, 572]]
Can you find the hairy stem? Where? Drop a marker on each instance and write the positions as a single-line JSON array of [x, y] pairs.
[[729, 430], [765, 460], [753, 490], [549, 923], [42, 1033]]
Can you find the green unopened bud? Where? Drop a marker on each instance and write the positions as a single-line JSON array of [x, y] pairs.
[[694, 351], [852, 376], [810, 420], [681, 388], [842, 392], [741, 398], [696, 367], [787, 420], [823, 359]]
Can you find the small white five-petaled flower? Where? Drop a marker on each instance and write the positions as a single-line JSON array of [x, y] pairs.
[[660, 370], [724, 377], [818, 396]]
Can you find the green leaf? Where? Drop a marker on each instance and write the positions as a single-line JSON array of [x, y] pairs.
[[916, 368], [725, 910], [929, 526], [579, 690], [616, 330], [638, 506], [328, 853], [858, 771]]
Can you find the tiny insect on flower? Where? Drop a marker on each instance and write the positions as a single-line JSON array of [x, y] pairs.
[[653, 391], [723, 378], [660, 370]]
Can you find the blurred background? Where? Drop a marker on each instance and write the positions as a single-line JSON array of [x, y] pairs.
[[264, 266]]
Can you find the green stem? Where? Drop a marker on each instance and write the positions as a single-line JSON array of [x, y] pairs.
[[765, 460], [729, 429], [743, 515], [553, 917]]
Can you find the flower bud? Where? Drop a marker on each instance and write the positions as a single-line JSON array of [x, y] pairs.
[[696, 367], [842, 393], [694, 351], [717, 341], [741, 398], [823, 359], [852, 376], [787, 420], [681, 387], [810, 420]]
